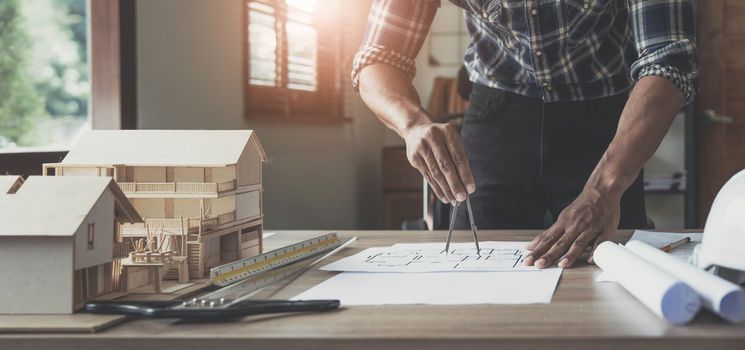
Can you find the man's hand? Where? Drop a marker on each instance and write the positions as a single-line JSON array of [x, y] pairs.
[[593, 217], [436, 150], [590, 220]]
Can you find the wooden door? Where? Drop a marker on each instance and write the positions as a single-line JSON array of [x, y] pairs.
[[721, 110]]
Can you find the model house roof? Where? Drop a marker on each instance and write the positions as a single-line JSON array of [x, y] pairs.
[[57, 205], [162, 147], [9, 183]]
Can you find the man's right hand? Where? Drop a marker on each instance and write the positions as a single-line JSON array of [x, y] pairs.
[[436, 150]]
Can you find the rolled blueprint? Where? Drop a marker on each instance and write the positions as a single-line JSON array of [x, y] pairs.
[[722, 297], [668, 297]]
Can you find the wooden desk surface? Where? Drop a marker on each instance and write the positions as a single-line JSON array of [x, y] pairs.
[[582, 315]]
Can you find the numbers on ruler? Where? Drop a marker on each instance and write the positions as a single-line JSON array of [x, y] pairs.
[[242, 269]]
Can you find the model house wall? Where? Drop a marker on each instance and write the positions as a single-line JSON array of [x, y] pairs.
[[58, 242], [40, 268], [101, 221], [249, 168], [247, 205], [150, 207], [223, 174]]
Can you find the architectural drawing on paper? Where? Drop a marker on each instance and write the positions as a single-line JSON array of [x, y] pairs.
[[458, 259], [199, 192], [431, 257], [59, 242]]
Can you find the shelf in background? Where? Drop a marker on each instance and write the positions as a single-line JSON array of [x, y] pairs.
[[661, 191]]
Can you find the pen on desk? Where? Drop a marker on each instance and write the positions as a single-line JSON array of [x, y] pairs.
[[668, 247]]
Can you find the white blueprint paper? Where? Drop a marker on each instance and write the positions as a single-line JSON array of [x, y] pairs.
[[667, 296], [718, 295], [660, 239], [438, 288], [431, 257]]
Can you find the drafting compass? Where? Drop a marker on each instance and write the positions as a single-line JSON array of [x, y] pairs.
[[456, 205]]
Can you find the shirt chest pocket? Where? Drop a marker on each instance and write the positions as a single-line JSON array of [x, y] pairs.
[[487, 10], [581, 17]]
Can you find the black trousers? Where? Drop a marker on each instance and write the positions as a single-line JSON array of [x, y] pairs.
[[530, 158]]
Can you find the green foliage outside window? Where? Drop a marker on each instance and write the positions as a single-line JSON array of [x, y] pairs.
[[19, 102], [44, 85]]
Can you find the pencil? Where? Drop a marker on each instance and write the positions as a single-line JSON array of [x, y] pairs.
[[668, 247]]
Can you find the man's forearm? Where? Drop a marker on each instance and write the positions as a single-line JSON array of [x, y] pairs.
[[390, 95], [652, 106], [432, 148], [594, 216]]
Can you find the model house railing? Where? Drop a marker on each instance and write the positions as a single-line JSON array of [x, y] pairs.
[[195, 187], [121, 249], [177, 226], [212, 222], [177, 187], [167, 223], [226, 218], [127, 187], [151, 257], [206, 224], [154, 226], [147, 187]]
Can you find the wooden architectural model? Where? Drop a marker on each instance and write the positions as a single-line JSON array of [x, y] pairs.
[[199, 193], [59, 241]]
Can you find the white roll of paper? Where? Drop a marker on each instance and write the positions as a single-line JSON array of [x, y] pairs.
[[666, 296], [722, 297]]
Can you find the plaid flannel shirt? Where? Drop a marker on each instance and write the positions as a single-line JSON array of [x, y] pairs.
[[557, 50]]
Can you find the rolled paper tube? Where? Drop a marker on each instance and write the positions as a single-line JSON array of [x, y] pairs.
[[722, 297], [668, 297]]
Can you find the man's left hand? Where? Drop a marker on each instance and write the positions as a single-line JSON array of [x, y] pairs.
[[591, 219]]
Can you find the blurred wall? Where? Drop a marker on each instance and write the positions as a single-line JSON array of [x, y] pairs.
[[189, 77]]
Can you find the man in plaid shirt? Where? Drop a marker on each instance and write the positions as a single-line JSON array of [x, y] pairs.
[[570, 99]]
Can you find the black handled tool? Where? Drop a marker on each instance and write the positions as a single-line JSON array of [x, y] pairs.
[[197, 309]]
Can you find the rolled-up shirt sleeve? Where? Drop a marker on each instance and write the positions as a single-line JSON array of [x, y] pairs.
[[664, 33], [395, 32]]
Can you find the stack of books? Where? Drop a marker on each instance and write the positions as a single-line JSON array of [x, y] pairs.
[[668, 182]]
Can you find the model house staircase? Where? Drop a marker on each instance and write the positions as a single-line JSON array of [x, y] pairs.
[[178, 270], [171, 274], [193, 253]]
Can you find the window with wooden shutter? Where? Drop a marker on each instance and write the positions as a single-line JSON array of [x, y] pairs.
[[91, 236], [292, 60]]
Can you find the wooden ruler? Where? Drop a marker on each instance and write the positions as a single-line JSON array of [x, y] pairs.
[[245, 268]]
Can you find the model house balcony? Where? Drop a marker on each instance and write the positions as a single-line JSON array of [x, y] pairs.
[[121, 249], [190, 226], [176, 189]]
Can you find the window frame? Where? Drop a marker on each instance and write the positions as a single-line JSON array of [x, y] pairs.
[[279, 103], [91, 236], [113, 74]]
